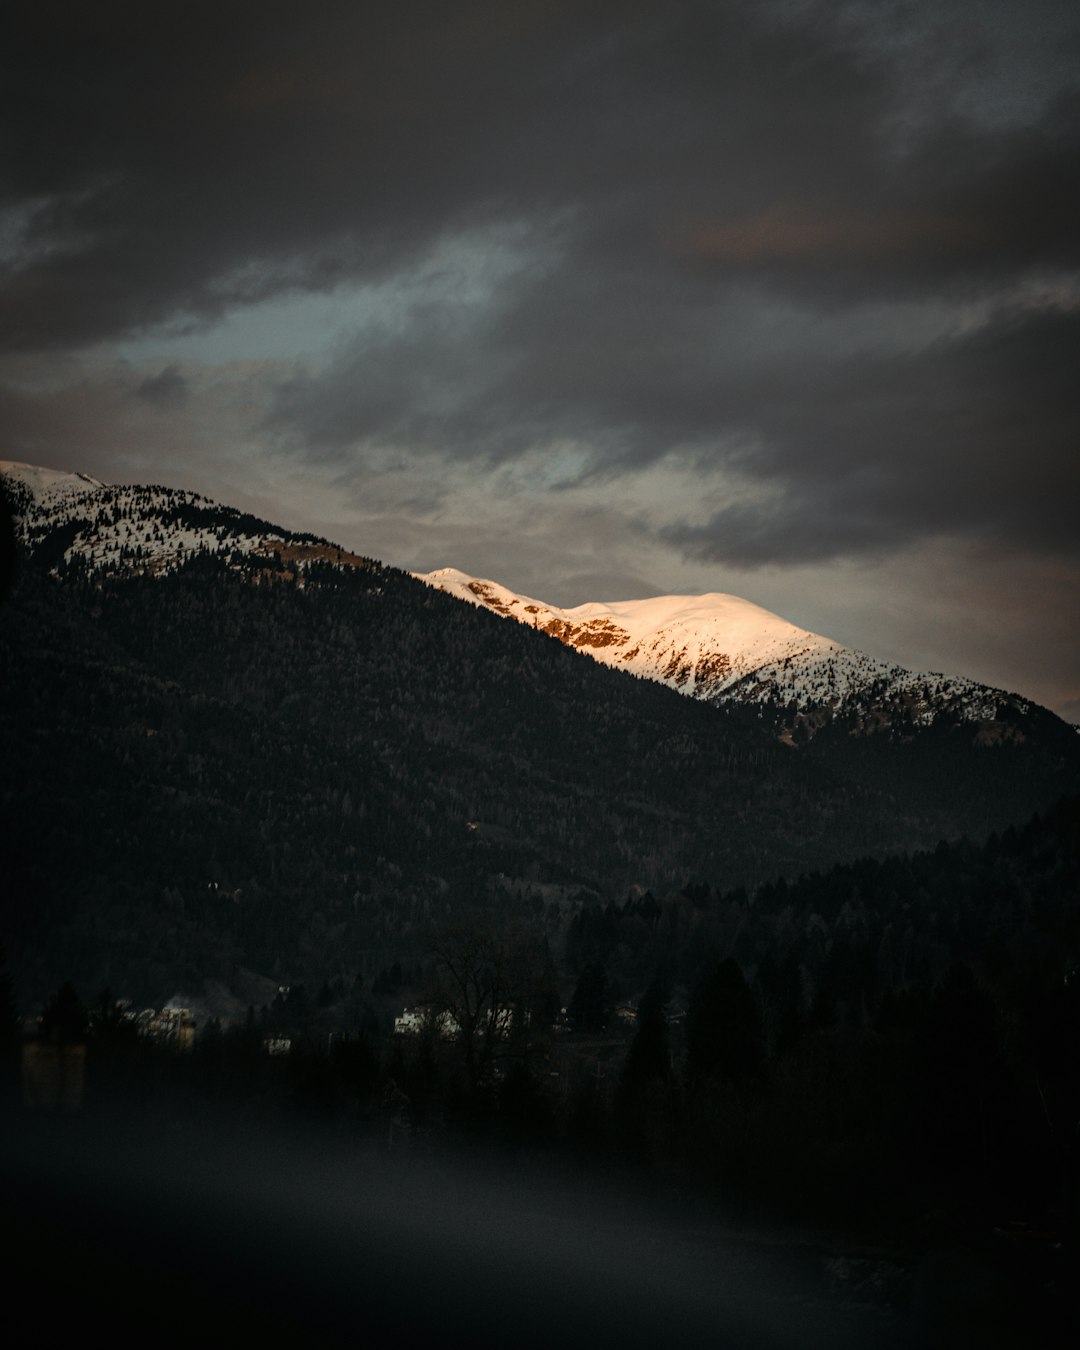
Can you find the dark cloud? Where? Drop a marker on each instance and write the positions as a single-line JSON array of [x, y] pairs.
[[972, 436], [791, 234], [166, 390], [704, 206], [850, 452], [179, 159]]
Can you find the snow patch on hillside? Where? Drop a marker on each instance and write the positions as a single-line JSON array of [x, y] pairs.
[[48, 487], [128, 528]]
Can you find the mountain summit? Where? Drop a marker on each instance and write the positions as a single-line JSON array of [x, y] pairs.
[[721, 648], [231, 746], [72, 520]]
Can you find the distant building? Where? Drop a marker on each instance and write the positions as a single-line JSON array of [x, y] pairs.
[[415, 1021], [172, 1027], [505, 1017]]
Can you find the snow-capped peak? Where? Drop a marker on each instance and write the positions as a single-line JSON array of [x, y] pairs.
[[723, 648], [74, 520], [699, 644], [48, 486]]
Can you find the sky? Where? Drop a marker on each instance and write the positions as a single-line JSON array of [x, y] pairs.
[[598, 299]]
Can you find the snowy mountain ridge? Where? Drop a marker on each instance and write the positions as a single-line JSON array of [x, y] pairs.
[[77, 520], [714, 647], [721, 648]]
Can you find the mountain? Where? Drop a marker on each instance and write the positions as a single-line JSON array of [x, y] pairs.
[[916, 736], [230, 747], [714, 647], [72, 521], [720, 648]]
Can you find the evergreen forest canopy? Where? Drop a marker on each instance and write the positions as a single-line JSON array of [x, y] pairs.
[[242, 764], [890, 1043]]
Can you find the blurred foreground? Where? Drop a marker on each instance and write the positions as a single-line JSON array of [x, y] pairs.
[[213, 1230]]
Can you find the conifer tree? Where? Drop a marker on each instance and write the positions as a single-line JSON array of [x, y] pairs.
[[588, 1008], [645, 1097], [723, 1028], [64, 1021]]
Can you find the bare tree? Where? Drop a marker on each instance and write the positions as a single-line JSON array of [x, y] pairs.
[[491, 980]]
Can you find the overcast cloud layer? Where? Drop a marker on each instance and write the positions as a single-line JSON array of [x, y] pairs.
[[597, 298]]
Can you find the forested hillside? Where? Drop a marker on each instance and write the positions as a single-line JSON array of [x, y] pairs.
[[888, 1044], [244, 763]]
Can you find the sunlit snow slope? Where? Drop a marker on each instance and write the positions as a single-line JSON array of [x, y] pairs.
[[719, 647]]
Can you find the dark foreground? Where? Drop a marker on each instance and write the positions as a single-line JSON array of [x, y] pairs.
[[163, 1232]]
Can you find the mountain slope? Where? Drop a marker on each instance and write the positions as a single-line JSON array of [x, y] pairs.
[[272, 754], [73, 522], [201, 772], [723, 649], [711, 647]]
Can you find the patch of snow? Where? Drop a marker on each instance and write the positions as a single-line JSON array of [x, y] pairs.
[[127, 528], [49, 486]]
